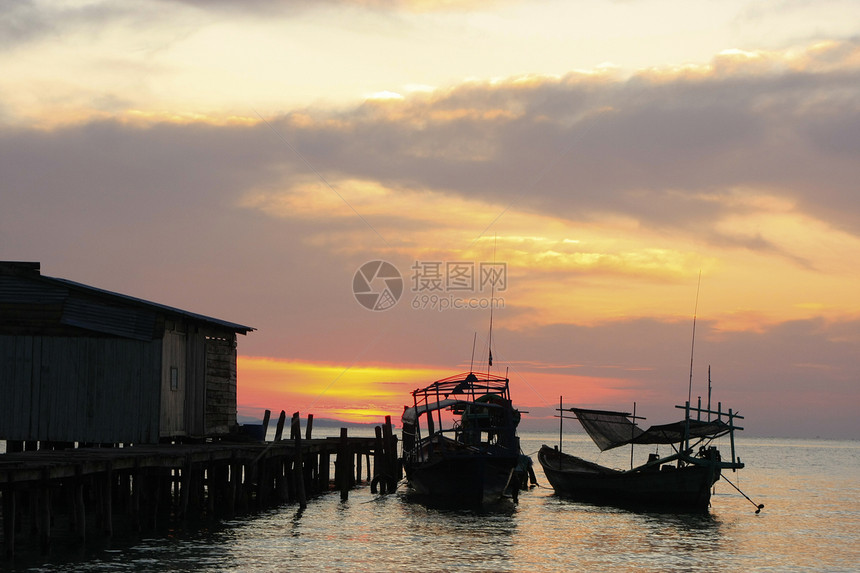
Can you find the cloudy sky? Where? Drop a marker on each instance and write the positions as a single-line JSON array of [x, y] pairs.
[[625, 165]]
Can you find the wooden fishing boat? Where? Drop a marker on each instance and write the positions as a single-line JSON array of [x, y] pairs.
[[679, 481], [460, 444]]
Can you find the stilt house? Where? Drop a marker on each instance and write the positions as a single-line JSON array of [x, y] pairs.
[[81, 364]]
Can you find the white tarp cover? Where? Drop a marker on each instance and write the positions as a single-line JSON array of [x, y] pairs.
[[410, 415]]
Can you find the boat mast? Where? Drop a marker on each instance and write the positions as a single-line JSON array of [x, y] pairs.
[[472, 363], [690, 386], [693, 343], [492, 304], [709, 392], [632, 435], [560, 422]]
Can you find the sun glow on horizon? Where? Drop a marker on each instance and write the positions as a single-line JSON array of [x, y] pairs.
[[367, 393], [357, 392]]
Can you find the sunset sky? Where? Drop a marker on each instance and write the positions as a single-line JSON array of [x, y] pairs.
[[628, 163]]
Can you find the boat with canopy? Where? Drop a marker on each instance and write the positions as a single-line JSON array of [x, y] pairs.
[[681, 480], [460, 444]]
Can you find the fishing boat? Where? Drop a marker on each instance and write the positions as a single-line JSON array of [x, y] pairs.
[[680, 481], [460, 445]]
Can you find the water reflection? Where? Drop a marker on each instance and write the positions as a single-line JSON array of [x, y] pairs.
[[472, 538], [810, 523], [592, 536], [503, 506]]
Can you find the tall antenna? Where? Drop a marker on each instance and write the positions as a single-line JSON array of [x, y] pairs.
[[472, 363], [492, 304], [693, 344], [709, 392]]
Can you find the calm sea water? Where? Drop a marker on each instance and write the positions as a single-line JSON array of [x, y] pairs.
[[811, 522]]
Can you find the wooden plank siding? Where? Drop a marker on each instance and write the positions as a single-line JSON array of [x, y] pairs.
[[195, 378], [220, 384], [81, 388], [173, 399]]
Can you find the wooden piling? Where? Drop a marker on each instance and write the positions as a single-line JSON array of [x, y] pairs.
[[107, 497], [282, 483], [311, 465], [325, 471], [79, 509], [185, 488], [136, 494], [378, 483], [262, 486], [386, 466], [32, 498], [390, 448], [210, 482], [149, 494], [266, 415], [298, 469], [233, 487], [342, 467], [279, 431], [9, 511], [309, 427], [43, 496]]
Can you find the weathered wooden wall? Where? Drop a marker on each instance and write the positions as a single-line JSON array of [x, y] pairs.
[[220, 384], [195, 382], [172, 421], [84, 389]]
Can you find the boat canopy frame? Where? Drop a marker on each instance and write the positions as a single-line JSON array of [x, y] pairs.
[[463, 388], [468, 389], [471, 384], [609, 429]]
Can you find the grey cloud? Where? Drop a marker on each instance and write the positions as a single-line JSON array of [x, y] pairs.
[[21, 22], [24, 21], [660, 150], [31, 21], [270, 7]]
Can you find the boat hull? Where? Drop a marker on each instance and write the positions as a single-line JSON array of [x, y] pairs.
[[470, 480], [679, 489]]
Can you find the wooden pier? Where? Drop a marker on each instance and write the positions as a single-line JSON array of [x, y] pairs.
[[86, 490]]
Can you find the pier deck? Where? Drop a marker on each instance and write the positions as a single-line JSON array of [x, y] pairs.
[[145, 485]]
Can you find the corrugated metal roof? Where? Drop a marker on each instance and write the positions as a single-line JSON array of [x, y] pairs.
[[16, 291], [93, 308], [159, 308], [126, 321]]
